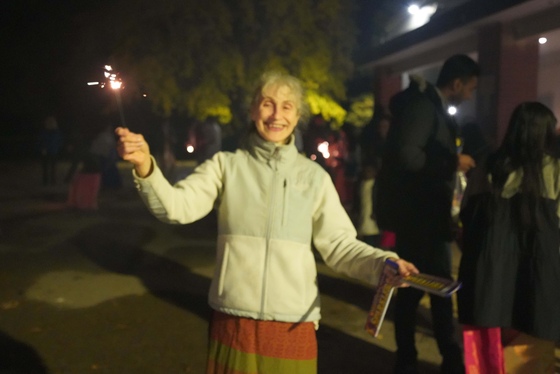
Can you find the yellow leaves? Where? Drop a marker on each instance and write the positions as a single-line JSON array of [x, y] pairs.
[[222, 113], [361, 110], [200, 58], [207, 100], [325, 106]]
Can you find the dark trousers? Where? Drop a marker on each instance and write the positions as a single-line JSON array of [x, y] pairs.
[[49, 169], [431, 256]]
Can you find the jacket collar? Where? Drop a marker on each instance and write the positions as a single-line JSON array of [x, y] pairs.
[[277, 156]]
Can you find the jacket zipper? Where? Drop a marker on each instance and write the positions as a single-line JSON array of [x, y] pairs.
[[271, 210], [285, 204]]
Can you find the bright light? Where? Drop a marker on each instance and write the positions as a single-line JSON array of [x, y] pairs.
[[324, 149], [452, 110], [115, 85], [420, 15], [542, 40], [92, 83], [190, 148], [413, 9]]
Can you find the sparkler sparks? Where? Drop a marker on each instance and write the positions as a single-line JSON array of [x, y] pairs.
[[113, 80]]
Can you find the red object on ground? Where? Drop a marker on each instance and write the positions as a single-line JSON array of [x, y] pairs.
[[84, 190]]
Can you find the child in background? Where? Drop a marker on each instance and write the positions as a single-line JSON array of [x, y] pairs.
[[367, 227]]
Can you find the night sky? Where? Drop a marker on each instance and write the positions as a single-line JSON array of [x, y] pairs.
[[39, 67]]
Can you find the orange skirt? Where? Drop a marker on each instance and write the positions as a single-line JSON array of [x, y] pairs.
[[247, 346]]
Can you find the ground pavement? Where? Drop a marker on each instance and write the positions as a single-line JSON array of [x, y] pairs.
[[115, 291]]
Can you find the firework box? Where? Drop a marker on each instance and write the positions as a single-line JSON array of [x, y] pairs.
[[425, 282], [432, 284], [381, 300]]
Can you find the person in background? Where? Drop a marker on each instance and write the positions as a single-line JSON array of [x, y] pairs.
[[78, 149], [103, 149], [422, 154], [50, 145], [272, 204], [367, 227], [374, 135], [208, 134], [510, 266]]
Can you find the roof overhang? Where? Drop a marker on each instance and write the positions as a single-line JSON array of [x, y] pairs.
[[457, 31]]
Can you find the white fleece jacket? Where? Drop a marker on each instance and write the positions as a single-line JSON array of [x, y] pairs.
[[272, 203]]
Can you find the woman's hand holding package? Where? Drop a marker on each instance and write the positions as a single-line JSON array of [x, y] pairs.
[[395, 276], [133, 148]]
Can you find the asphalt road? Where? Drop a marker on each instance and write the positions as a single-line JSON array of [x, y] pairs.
[[116, 291]]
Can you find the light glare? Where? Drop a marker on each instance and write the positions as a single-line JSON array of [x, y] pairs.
[[452, 110], [542, 40], [324, 149], [413, 9], [115, 85]]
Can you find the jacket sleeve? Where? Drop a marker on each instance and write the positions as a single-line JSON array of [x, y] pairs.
[[416, 124], [187, 201], [334, 236]]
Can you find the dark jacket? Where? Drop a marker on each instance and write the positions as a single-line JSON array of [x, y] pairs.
[[510, 273], [422, 152]]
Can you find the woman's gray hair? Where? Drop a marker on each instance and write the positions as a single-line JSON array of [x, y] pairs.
[[277, 78]]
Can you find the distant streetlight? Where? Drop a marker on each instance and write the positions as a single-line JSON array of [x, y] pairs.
[[413, 9], [420, 15], [542, 40], [452, 110]]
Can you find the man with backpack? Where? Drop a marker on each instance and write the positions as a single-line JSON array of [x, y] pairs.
[[413, 198]]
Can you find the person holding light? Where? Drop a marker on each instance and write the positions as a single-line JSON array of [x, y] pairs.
[[273, 205]]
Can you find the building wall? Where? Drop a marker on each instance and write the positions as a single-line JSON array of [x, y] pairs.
[[549, 85]]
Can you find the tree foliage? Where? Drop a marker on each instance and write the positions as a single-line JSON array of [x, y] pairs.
[[361, 110], [201, 58]]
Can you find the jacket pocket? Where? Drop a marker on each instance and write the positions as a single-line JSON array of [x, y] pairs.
[[239, 272]]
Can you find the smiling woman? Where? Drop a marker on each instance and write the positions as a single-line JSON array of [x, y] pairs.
[[278, 107], [277, 115], [272, 203]]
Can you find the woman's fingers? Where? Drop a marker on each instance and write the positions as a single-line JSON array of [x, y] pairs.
[[131, 146]]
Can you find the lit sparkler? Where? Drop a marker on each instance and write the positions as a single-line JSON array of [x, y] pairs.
[[113, 80]]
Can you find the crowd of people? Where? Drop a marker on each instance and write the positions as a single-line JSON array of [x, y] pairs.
[[264, 295], [507, 226], [401, 176]]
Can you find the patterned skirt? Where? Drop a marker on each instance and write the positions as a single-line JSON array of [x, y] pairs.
[[247, 346]]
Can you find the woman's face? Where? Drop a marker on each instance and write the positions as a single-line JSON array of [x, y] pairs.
[[276, 116]]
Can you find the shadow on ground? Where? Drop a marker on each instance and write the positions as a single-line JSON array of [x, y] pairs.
[[19, 358], [118, 248]]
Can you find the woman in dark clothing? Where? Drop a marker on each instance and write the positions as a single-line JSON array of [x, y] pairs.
[[510, 267]]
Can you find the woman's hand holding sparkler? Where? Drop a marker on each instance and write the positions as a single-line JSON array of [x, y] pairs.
[[133, 148]]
